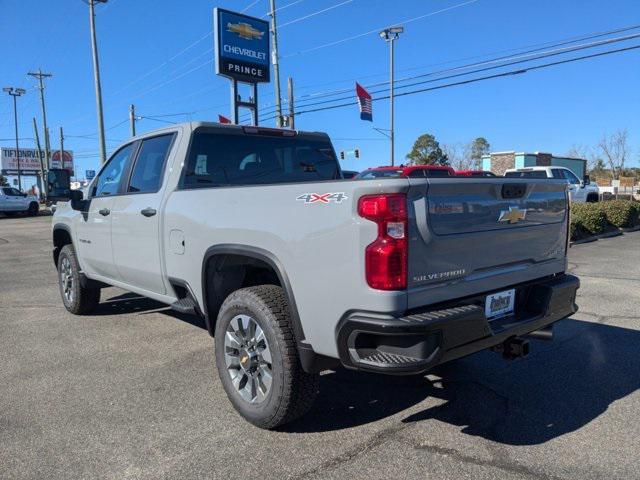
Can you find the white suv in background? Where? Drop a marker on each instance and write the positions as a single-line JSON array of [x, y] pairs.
[[579, 190], [13, 200]]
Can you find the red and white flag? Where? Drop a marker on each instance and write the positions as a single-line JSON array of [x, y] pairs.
[[364, 102], [223, 119]]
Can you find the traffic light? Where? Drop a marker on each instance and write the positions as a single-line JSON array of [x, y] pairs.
[[342, 155], [356, 152]]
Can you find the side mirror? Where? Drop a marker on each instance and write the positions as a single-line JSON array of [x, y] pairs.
[[582, 183], [58, 185], [587, 180]]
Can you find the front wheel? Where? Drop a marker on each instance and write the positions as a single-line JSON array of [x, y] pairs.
[[76, 298], [257, 358], [33, 209]]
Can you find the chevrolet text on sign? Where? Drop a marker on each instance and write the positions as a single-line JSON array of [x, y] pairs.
[[242, 46]]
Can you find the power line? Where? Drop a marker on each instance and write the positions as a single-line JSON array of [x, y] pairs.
[[533, 57], [479, 79], [376, 30], [475, 64], [319, 12]]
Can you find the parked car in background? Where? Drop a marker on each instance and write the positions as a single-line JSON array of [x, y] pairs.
[[475, 173], [13, 201], [413, 171], [579, 190]]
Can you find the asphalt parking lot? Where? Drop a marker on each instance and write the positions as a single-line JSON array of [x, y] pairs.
[[131, 392]]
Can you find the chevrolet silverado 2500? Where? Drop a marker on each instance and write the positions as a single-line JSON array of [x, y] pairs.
[[296, 270]]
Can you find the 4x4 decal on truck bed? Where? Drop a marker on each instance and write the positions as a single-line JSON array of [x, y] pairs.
[[337, 197]]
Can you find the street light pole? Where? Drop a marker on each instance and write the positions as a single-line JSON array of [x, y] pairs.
[[96, 77], [16, 92], [390, 35]]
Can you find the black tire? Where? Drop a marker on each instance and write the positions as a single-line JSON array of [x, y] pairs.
[[81, 300], [33, 210], [292, 390], [592, 198]]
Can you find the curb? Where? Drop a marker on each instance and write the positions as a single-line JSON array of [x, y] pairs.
[[616, 233]]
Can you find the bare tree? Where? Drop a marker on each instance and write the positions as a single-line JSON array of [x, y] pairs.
[[614, 149], [457, 155], [585, 152]]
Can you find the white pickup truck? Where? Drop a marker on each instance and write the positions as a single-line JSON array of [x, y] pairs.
[[13, 201], [580, 191], [296, 269]]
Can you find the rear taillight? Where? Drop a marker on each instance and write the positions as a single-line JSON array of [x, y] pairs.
[[386, 257]]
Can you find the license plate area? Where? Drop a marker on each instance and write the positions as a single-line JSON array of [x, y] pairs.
[[499, 304]]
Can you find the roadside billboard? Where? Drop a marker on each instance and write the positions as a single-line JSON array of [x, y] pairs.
[[66, 164], [30, 161], [241, 46]]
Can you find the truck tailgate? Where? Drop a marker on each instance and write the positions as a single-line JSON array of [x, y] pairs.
[[468, 236]]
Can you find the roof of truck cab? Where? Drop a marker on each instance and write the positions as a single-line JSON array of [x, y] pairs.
[[236, 128]]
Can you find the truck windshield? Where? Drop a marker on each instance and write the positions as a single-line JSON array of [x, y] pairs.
[[221, 159]]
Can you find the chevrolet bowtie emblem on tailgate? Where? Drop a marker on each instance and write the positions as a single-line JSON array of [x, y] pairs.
[[513, 215], [244, 30]]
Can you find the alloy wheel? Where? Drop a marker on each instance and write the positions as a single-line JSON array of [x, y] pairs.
[[248, 358]]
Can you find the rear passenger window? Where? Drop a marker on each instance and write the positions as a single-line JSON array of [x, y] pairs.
[[147, 172], [416, 173], [217, 159], [557, 173]]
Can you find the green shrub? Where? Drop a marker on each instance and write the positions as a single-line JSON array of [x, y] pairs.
[[588, 218], [620, 213]]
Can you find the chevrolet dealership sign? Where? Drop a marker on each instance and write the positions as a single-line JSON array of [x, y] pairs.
[[242, 46]]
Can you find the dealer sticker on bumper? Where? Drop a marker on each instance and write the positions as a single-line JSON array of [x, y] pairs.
[[499, 304]]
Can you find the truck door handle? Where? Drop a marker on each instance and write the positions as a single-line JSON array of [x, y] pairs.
[[148, 212], [104, 212]]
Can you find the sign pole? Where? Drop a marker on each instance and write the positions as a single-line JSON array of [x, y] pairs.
[[255, 103]]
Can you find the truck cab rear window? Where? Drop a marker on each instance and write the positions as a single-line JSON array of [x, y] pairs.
[[527, 174], [220, 159]]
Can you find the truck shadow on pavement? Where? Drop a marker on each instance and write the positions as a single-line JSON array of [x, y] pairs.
[[562, 386]]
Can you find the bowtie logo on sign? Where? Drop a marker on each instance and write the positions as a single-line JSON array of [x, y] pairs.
[[244, 30]]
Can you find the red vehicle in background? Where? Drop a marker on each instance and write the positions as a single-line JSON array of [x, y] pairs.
[[474, 173], [413, 171]]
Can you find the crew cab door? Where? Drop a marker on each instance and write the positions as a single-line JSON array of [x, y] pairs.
[[94, 228], [135, 233]]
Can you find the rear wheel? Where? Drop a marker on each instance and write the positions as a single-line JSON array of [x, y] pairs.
[[257, 358], [77, 299]]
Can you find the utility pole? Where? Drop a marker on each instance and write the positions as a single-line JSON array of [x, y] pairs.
[[96, 77], [132, 119], [61, 149], [390, 35], [16, 92], [41, 76], [292, 121], [275, 61], [43, 191]]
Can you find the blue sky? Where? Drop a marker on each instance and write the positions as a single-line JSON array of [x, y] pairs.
[[157, 54]]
